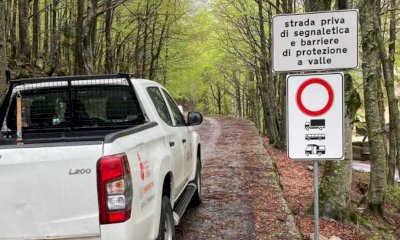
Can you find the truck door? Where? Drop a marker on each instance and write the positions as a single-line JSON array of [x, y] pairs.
[[184, 131], [173, 138]]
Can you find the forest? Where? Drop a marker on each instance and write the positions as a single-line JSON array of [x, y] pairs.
[[215, 56]]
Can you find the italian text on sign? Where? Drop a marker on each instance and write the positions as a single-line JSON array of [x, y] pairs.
[[315, 106], [315, 41]]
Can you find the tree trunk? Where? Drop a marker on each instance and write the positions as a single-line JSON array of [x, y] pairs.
[[391, 61], [3, 53], [137, 47], [93, 28], [287, 8], [24, 51], [35, 30], [392, 51], [335, 193], [271, 83], [238, 97], [109, 64], [267, 104], [13, 30], [155, 53], [371, 81], [282, 103], [317, 5], [388, 72], [88, 44], [54, 46], [68, 12], [78, 51], [8, 19], [145, 39], [153, 59], [334, 196], [46, 31]]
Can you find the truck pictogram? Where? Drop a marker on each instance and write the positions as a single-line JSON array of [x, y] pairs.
[[315, 124]]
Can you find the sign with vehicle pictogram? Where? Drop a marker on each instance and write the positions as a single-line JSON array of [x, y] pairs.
[[315, 125]]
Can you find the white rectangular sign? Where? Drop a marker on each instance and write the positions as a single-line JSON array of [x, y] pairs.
[[315, 41], [315, 116]]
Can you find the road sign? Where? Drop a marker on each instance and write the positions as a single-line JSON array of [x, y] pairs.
[[315, 41], [315, 113]]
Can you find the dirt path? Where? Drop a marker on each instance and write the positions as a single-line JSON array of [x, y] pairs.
[[241, 196]]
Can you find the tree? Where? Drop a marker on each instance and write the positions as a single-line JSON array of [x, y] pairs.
[[369, 14], [13, 30], [46, 29], [78, 51], [88, 38], [268, 91], [3, 53], [387, 61], [35, 29], [335, 192], [54, 37], [109, 63], [23, 26], [334, 195], [245, 36], [317, 5]]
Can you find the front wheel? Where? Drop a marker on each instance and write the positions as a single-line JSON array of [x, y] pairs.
[[166, 229], [196, 199]]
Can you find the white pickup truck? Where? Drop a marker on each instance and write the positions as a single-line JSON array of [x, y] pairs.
[[95, 158]]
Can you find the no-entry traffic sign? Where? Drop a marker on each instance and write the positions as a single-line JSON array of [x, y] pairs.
[[315, 41], [315, 106], [299, 95]]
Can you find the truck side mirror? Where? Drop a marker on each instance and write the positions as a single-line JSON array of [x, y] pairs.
[[194, 118]]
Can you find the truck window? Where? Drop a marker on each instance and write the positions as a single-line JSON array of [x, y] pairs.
[[88, 107], [160, 104], [176, 113]]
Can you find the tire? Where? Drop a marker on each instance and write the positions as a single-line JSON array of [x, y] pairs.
[[166, 229], [307, 128], [319, 154], [307, 154], [196, 199]]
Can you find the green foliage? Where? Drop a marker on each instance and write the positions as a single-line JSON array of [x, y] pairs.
[[393, 196], [383, 235], [192, 60]]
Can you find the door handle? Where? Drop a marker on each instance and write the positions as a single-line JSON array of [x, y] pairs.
[[172, 143], [183, 140]]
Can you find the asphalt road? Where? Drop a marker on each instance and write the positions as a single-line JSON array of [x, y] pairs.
[[366, 167]]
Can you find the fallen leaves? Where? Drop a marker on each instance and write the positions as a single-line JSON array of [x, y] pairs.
[[296, 180]]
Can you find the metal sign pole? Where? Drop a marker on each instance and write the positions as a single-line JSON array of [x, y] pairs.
[[316, 201]]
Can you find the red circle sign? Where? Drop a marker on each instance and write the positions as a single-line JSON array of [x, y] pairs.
[[307, 83]]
